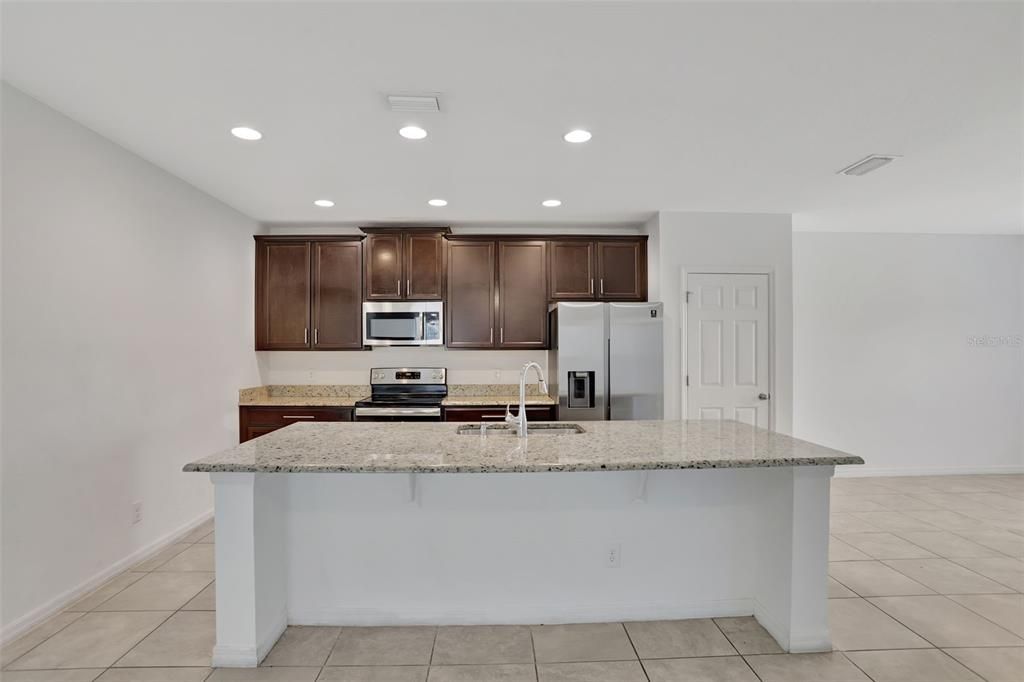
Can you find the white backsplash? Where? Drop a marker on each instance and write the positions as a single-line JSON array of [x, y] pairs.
[[353, 367]]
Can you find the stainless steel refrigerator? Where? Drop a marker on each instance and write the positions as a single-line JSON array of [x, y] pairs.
[[606, 360]]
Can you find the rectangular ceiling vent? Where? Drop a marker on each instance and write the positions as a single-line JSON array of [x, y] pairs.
[[417, 103], [868, 164]]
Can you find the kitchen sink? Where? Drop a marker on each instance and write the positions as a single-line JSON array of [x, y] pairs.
[[545, 428]]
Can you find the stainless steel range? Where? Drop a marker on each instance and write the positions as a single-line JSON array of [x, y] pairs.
[[404, 394]]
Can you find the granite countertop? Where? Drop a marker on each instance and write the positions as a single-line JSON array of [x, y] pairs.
[[346, 395], [425, 447]]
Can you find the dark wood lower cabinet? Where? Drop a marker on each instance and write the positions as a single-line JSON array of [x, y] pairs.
[[257, 420], [496, 413]]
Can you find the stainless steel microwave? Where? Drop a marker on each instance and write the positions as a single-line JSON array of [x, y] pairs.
[[403, 323]]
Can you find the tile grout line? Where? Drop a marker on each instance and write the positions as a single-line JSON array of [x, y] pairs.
[[536, 665], [636, 653], [742, 656]]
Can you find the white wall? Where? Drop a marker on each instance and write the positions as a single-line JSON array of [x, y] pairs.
[[740, 240], [353, 367], [127, 331], [884, 365]]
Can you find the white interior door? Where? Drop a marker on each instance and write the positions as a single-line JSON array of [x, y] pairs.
[[727, 352]]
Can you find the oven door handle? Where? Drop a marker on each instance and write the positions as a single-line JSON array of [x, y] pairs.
[[398, 412]]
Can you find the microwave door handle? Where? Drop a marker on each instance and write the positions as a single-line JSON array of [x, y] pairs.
[[423, 326]]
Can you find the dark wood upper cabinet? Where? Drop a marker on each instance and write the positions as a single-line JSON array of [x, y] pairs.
[[384, 266], [310, 290], [404, 263], [571, 270], [283, 282], [337, 295], [470, 311], [522, 294], [622, 270], [308, 293], [424, 266]]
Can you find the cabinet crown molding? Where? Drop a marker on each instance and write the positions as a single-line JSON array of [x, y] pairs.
[[299, 238], [406, 229]]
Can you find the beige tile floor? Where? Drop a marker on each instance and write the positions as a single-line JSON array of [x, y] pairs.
[[926, 586]]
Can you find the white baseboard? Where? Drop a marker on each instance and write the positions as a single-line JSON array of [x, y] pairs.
[[864, 471], [234, 656], [520, 614], [821, 641], [229, 656], [20, 626]]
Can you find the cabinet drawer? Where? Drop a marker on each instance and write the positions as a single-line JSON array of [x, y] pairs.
[[257, 420], [272, 416], [496, 413]]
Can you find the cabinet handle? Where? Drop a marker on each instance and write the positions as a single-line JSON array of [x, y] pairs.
[[408, 287], [298, 416], [398, 284], [492, 416], [316, 335], [591, 286], [305, 335], [602, 286], [492, 336], [502, 335]]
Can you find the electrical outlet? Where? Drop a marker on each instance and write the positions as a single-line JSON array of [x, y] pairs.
[[136, 512], [497, 376], [613, 557]]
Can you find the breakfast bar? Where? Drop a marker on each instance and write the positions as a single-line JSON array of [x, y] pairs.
[[440, 523]]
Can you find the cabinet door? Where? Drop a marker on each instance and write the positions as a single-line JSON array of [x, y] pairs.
[[522, 294], [571, 271], [470, 309], [384, 267], [424, 267], [621, 271], [282, 295], [337, 295]]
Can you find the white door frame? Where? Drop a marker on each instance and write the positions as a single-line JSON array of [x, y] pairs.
[[684, 273]]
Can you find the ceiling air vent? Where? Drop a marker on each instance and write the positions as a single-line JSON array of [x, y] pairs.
[[417, 103], [868, 164]]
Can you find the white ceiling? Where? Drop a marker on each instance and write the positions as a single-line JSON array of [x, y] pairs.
[[706, 107]]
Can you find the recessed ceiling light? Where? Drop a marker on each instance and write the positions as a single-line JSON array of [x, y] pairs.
[[324, 203], [868, 164], [244, 133], [551, 203], [577, 136], [412, 132], [438, 202]]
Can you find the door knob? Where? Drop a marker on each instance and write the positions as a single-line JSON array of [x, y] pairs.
[[764, 396]]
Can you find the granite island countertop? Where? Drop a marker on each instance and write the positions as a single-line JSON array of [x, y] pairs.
[[434, 447]]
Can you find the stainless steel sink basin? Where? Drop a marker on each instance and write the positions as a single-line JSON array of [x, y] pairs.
[[545, 428]]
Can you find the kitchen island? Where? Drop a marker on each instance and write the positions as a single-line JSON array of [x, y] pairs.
[[625, 520]]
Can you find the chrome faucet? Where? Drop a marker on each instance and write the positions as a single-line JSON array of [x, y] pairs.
[[520, 420]]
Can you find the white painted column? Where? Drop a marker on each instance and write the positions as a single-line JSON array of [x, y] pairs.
[[808, 601], [251, 566], [791, 550]]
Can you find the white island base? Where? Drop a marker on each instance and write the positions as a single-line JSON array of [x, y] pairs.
[[494, 548]]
